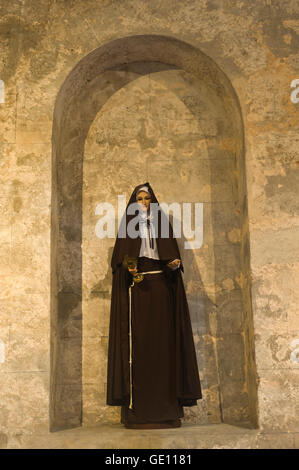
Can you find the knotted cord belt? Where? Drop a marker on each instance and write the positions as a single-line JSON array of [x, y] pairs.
[[130, 335]]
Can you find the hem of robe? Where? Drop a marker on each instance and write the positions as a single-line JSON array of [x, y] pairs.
[[189, 401], [130, 420], [182, 401], [174, 423]]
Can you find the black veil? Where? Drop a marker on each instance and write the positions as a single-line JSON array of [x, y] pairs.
[[167, 247], [188, 387]]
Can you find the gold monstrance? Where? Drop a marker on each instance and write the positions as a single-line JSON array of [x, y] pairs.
[[131, 263]]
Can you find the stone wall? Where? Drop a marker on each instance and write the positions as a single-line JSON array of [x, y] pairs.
[[196, 97]]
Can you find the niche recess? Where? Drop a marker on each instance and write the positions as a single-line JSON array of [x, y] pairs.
[[220, 305]]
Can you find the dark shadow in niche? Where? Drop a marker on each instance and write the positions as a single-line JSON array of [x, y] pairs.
[[102, 289], [90, 84]]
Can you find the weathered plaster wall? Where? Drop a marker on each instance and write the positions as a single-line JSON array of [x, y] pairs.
[[256, 45]]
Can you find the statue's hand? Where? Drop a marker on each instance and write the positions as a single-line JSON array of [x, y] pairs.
[[174, 264]]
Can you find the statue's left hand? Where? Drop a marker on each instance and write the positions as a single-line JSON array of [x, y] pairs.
[[174, 264]]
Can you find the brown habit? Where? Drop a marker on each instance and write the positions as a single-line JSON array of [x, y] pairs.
[[164, 368]]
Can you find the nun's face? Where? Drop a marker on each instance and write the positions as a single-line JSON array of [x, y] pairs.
[[144, 199]]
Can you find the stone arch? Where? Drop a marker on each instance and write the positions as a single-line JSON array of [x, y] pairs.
[[229, 328]]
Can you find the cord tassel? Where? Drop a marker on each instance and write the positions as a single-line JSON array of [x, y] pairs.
[[130, 338]]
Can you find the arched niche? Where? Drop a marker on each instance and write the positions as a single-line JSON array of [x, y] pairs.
[[216, 276]]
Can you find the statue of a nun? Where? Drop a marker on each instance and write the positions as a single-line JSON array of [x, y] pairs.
[[152, 369]]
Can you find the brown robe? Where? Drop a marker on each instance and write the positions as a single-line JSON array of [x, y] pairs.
[[165, 372]]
